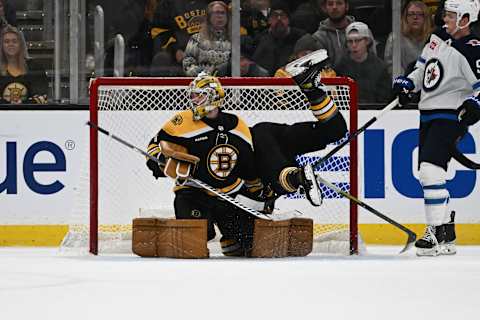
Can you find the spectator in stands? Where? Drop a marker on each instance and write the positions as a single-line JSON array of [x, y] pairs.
[[308, 15], [331, 32], [18, 84], [248, 67], [174, 22], [134, 24], [362, 64], [8, 14], [276, 45], [210, 49], [416, 26], [254, 17]]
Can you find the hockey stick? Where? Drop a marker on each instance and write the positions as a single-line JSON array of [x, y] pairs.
[[463, 159], [352, 136], [200, 183], [411, 235]]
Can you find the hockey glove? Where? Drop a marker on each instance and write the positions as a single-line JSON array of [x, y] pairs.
[[403, 89], [157, 169], [469, 111]]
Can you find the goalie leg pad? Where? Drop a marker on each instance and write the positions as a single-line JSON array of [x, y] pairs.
[[300, 242], [270, 239], [173, 238], [286, 238]]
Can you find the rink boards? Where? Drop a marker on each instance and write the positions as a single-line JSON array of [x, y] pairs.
[[42, 153]]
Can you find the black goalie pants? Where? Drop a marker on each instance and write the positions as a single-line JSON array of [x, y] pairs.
[[233, 223]]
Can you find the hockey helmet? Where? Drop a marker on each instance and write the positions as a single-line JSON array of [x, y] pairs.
[[462, 8], [205, 94]]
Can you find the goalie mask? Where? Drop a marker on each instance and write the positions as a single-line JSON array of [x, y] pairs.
[[206, 94]]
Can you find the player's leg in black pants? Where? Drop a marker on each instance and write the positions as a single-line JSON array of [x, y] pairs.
[[270, 158], [236, 227], [195, 204], [303, 137]]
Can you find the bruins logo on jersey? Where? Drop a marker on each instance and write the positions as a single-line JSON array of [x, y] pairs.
[[15, 92], [177, 120], [433, 75], [221, 160]]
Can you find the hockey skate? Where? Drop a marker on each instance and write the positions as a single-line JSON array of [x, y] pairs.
[[306, 71], [306, 68], [309, 186], [449, 247], [431, 244]]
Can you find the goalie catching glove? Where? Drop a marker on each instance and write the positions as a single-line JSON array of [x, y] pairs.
[[180, 164]]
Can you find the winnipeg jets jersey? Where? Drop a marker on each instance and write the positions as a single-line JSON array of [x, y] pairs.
[[447, 72]]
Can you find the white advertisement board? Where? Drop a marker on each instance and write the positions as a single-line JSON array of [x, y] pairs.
[[43, 156], [40, 156]]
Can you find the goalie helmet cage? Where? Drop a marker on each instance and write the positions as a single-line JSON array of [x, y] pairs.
[[253, 99]]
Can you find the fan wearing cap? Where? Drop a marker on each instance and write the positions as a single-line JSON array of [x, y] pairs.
[[363, 65], [276, 45], [331, 31]]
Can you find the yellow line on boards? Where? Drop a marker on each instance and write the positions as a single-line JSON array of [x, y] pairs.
[[52, 235]]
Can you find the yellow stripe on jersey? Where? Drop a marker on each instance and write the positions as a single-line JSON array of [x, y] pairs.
[[182, 125], [153, 149], [284, 181], [321, 105], [156, 31], [325, 109], [242, 131], [327, 115], [253, 185]]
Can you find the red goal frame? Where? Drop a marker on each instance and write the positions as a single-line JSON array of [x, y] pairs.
[[228, 81]]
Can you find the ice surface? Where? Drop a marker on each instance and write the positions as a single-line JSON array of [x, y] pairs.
[[41, 284]]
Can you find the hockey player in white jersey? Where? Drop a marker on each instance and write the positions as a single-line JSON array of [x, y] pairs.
[[448, 75]]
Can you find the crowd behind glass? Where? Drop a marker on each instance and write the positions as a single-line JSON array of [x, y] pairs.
[[184, 37]]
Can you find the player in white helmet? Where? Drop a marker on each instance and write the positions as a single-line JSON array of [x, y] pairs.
[[448, 75]]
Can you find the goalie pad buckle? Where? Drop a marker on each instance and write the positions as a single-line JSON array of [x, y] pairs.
[[173, 238]]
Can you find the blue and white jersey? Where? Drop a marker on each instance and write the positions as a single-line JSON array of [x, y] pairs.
[[447, 72]]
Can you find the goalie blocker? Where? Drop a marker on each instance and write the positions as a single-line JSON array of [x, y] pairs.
[[187, 238]]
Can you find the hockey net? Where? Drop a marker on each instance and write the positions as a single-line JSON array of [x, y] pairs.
[[117, 186]]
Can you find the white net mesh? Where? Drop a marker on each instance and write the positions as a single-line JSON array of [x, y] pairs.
[[136, 112]]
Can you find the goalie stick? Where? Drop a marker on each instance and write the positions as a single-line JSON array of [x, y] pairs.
[[355, 134], [411, 235], [200, 183]]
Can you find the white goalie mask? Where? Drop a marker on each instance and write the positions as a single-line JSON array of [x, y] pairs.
[[462, 8], [205, 94]]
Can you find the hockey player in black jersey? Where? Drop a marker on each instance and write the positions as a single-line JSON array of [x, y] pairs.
[[448, 75], [277, 145], [216, 147], [212, 146]]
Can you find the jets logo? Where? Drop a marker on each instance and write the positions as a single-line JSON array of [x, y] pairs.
[[221, 160], [433, 75]]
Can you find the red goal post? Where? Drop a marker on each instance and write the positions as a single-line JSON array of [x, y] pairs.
[[124, 105]]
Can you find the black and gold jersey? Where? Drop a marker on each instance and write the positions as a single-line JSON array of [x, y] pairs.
[[224, 146]]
